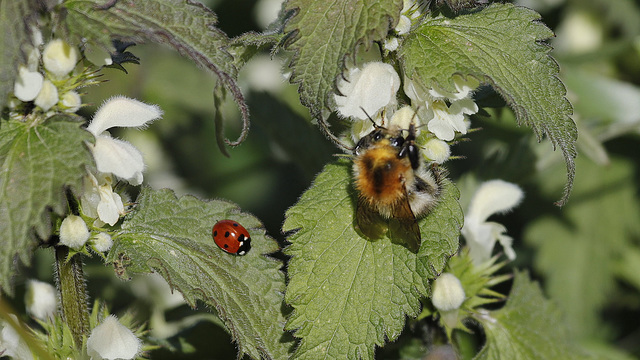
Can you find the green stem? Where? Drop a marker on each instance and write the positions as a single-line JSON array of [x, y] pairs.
[[73, 294]]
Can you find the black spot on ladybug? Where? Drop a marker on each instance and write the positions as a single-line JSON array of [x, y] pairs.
[[226, 245], [215, 232], [226, 234]]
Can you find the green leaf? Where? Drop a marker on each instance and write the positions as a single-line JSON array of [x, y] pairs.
[[172, 236], [527, 327], [13, 27], [38, 161], [322, 33], [350, 294], [581, 251], [501, 45], [186, 26]]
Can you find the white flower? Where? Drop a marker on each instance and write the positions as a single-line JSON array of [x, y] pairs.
[[436, 150], [404, 25], [112, 340], [117, 156], [495, 196], [11, 344], [71, 101], [371, 88], [448, 293], [101, 242], [391, 43], [59, 58], [28, 84], [73, 232], [99, 201], [443, 122], [48, 96], [41, 300]]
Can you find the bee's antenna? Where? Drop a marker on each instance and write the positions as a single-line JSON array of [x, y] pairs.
[[372, 121]]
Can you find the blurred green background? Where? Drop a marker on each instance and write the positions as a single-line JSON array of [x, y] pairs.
[[585, 255]]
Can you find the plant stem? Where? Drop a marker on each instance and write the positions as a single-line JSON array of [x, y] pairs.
[[73, 294]]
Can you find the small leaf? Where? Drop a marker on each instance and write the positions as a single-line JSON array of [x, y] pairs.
[[186, 26], [351, 294], [172, 236], [37, 163], [323, 33], [527, 327], [13, 27], [501, 45]]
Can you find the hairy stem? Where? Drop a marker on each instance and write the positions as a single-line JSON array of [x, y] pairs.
[[73, 294]]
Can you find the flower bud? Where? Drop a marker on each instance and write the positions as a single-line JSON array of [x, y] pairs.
[[71, 101], [436, 150], [101, 242], [59, 58], [448, 293], [73, 232], [41, 300], [48, 96]]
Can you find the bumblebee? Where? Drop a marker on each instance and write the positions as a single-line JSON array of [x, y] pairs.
[[394, 185]]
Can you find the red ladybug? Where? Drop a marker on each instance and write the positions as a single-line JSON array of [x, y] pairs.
[[231, 237]]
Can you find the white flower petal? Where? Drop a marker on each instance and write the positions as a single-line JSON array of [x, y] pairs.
[[59, 58], [28, 84], [404, 25], [41, 300], [123, 112], [110, 206], [371, 88], [119, 158], [48, 96], [111, 340], [73, 232], [494, 196]]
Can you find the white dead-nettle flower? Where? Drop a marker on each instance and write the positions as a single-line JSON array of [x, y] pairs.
[[28, 84], [41, 300], [111, 340], [11, 344], [59, 58], [99, 201], [443, 111], [48, 96], [492, 197], [118, 156], [101, 242], [372, 88], [73, 232], [448, 293]]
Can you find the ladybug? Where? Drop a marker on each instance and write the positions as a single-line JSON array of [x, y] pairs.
[[231, 237]]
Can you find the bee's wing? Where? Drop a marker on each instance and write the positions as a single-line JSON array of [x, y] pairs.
[[403, 227], [369, 221]]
